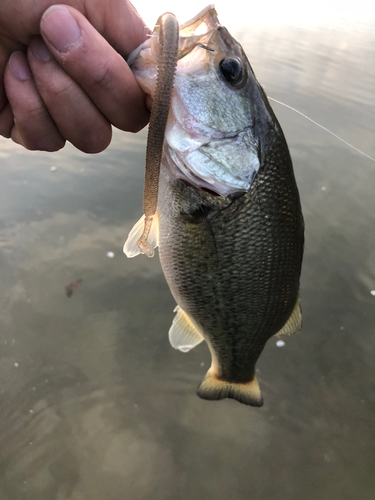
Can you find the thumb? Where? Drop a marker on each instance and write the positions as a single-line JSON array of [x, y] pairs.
[[118, 22]]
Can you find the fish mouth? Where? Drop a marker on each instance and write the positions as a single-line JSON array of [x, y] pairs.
[[197, 30], [135, 53], [191, 33], [207, 17]]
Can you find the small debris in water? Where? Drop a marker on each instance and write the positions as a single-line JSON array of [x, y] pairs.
[[373, 293], [16, 365], [81, 170], [53, 168], [280, 343], [72, 286], [202, 364], [110, 255], [324, 188], [31, 411], [342, 328]]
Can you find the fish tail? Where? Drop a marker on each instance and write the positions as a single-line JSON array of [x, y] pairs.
[[247, 393]]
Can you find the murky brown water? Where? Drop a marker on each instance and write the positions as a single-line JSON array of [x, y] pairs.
[[95, 404]]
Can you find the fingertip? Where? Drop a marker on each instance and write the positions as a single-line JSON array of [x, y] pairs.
[[135, 118], [39, 50], [52, 146], [19, 66], [6, 121], [59, 26], [133, 128]]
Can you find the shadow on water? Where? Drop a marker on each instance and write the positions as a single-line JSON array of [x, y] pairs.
[[96, 404]]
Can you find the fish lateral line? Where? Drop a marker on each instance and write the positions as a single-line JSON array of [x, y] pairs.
[[322, 127]]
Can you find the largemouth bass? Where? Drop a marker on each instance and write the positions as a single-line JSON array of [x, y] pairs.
[[229, 224]]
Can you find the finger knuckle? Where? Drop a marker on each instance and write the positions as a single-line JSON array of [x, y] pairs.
[[136, 127], [50, 145], [53, 145], [102, 76], [96, 142], [60, 87], [36, 138]]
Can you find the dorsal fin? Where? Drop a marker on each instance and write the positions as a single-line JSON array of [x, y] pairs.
[[183, 334]]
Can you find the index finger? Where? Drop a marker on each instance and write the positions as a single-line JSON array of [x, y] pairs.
[[101, 71], [6, 115]]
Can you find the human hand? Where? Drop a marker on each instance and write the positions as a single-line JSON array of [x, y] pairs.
[[62, 76]]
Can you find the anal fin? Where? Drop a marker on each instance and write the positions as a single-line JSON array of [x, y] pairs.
[[213, 388], [131, 248], [294, 323], [183, 334]]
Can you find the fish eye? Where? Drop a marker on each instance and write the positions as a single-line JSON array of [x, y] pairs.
[[232, 71]]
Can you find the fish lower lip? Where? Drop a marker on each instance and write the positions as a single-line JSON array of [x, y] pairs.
[[133, 55]]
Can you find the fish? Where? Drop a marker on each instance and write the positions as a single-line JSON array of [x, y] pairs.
[[228, 226]]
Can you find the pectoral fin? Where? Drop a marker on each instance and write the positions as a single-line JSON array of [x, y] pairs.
[[131, 248], [294, 323], [183, 334]]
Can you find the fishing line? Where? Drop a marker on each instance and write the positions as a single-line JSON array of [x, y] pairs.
[[321, 126]]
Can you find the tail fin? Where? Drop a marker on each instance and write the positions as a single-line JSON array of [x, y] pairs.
[[247, 393]]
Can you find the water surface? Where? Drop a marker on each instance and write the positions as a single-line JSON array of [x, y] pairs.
[[94, 403]]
